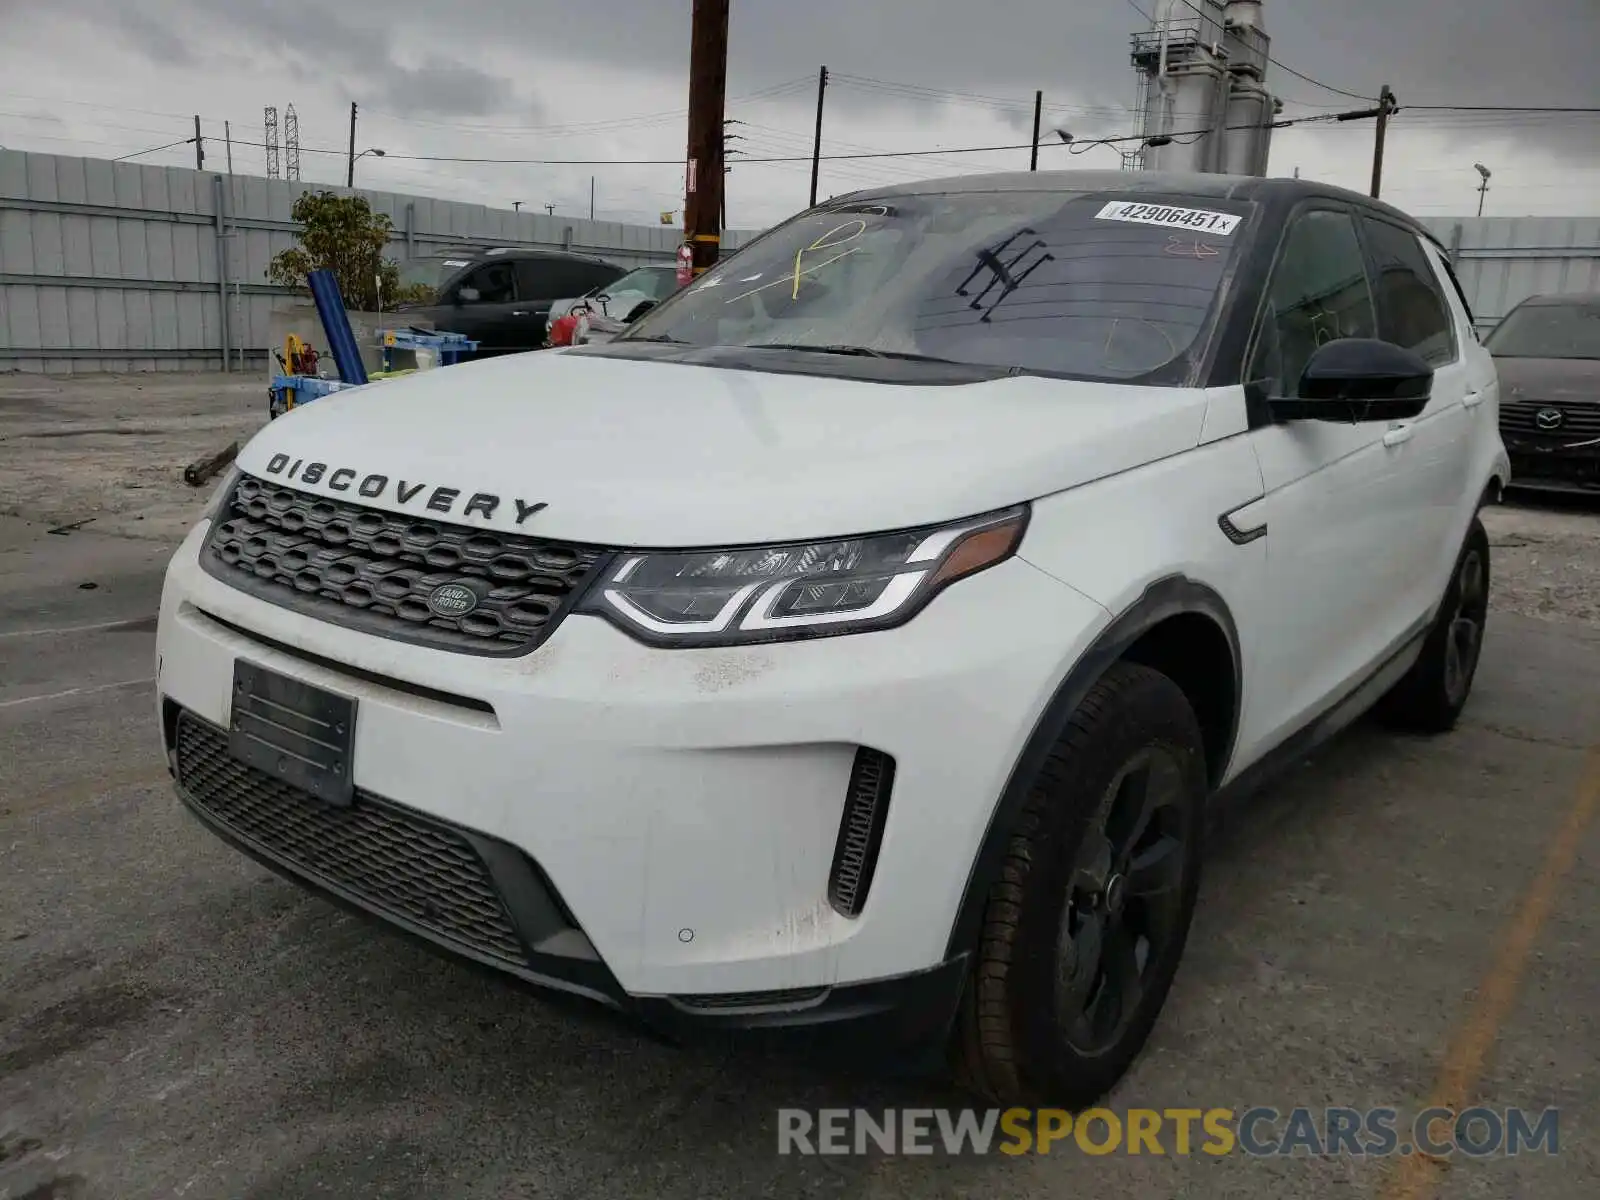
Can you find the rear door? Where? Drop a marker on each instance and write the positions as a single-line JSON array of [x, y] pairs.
[[1414, 312], [1335, 494]]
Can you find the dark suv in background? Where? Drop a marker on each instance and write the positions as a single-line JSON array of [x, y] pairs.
[[1547, 352], [501, 297]]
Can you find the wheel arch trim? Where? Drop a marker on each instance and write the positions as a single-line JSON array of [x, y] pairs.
[[1163, 599]]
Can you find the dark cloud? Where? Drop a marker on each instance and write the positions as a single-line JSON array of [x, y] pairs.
[[153, 38], [359, 43]]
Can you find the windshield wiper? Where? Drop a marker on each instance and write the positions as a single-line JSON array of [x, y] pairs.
[[655, 337], [857, 351]]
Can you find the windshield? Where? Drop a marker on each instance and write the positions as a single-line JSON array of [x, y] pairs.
[[1570, 330], [1086, 286], [655, 282], [429, 273]]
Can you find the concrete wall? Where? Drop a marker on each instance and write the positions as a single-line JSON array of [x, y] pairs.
[[110, 266]]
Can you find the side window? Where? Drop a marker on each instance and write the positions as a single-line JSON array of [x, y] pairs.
[[1318, 293], [540, 279], [551, 279], [1442, 262], [1411, 307], [496, 283]]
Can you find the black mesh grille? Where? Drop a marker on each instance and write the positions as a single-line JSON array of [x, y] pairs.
[[790, 998], [374, 571], [1578, 421], [1552, 468], [385, 858], [866, 809]]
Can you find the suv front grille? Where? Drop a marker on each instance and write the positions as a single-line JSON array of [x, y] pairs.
[[385, 858], [1578, 421], [374, 571]]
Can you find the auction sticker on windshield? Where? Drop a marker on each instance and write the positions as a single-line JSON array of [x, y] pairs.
[[1198, 219]]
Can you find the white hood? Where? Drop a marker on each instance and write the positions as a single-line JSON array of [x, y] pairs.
[[650, 454]]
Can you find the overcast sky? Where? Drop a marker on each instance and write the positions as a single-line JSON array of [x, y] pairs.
[[607, 80]]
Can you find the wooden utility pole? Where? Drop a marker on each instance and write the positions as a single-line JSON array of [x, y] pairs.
[[708, 81], [199, 147], [1038, 118], [816, 143], [350, 170], [227, 139], [1386, 106]]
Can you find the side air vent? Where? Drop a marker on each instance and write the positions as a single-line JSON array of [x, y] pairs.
[[866, 810]]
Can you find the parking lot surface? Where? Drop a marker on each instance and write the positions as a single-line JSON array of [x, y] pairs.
[[1397, 922]]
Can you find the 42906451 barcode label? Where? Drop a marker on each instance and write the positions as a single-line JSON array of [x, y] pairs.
[[1196, 220]]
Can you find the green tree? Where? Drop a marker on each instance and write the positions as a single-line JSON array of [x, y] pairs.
[[342, 234]]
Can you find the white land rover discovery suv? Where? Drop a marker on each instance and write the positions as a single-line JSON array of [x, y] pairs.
[[854, 647]]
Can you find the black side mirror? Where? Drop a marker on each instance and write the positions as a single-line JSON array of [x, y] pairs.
[[1359, 379]]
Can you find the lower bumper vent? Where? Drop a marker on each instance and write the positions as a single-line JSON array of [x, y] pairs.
[[381, 856], [866, 811]]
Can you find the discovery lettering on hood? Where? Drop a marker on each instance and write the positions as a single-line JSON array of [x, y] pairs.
[[373, 486]]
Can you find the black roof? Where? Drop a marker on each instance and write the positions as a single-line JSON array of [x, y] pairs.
[[1198, 185]]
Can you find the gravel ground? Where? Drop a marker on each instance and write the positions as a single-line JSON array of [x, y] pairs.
[[111, 449], [1546, 558]]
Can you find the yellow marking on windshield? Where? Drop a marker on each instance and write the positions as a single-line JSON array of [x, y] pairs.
[[822, 243], [782, 280]]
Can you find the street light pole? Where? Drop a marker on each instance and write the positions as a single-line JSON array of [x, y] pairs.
[[1483, 188], [374, 151]]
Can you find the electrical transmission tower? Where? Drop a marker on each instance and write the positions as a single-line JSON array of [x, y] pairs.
[[270, 141], [291, 144]]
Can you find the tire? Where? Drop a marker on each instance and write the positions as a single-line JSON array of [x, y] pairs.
[[1027, 1032], [1430, 697]]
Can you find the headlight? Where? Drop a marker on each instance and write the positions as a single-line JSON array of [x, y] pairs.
[[801, 590], [229, 482]]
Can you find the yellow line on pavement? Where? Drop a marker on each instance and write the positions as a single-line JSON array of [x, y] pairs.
[[1463, 1064]]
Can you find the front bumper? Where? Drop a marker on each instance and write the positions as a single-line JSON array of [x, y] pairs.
[[1554, 464], [658, 827]]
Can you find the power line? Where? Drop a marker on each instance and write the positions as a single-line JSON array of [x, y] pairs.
[[188, 141], [1498, 108], [882, 154], [603, 125]]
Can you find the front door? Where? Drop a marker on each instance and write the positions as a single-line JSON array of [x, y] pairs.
[[480, 306], [1339, 542]]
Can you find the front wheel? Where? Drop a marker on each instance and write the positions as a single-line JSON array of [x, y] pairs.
[[1430, 697], [1084, 930]]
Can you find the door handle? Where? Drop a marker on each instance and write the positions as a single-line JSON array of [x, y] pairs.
[[519, 312], [1473, 399], [1398, 434]]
